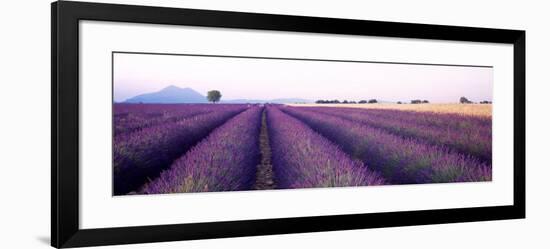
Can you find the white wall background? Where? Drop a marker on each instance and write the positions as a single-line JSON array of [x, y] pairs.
[[25, 126]]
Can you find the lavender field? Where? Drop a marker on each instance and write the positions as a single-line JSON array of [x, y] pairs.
[[178, 148]]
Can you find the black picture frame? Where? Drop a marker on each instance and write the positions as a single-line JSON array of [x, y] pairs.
[[65, 231]]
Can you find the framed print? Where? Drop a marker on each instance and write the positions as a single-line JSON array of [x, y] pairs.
[[177, 124]]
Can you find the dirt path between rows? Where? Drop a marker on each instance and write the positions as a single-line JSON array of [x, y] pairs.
[[264, 170]]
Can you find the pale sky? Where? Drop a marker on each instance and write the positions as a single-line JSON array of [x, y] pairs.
[[244, 78]]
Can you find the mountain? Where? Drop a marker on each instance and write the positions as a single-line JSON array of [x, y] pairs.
[[170, 94]]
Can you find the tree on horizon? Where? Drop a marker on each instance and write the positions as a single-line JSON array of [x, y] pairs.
[[464, 100], [214, 96]]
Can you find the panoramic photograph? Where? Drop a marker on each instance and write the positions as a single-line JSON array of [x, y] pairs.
[[205, 123]]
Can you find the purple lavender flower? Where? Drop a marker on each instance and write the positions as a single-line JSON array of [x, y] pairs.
[[134, 117], [224, 161], [304, 159], [400, 160], [141, 155], [467, 135]]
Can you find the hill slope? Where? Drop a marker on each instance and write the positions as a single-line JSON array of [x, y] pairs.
[[170, 94]]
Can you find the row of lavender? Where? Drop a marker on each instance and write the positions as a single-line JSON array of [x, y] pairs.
[[226, 160], [304, 159], [399, 159], [443, 120], [464, 134], [134, 117], [141, 155]]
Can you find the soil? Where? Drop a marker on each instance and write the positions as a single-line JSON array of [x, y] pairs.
[[264, 170]]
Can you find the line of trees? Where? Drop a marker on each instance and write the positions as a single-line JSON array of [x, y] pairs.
[[418, 101], [370, 101], [464, 100], [335, 101]]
